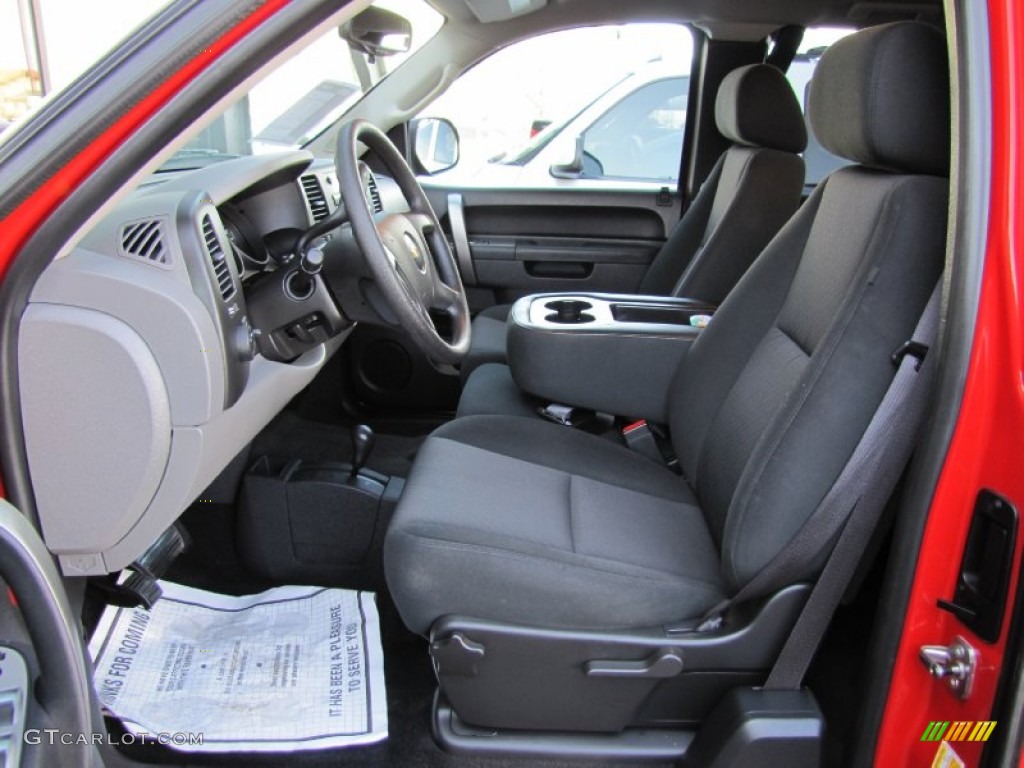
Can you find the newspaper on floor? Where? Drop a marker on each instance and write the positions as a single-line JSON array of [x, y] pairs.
[[292, 668]]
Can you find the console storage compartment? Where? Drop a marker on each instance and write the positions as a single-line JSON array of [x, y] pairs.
[[606, 352]]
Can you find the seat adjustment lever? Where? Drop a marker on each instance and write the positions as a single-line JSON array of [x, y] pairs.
[[456, 655], [659, 664]]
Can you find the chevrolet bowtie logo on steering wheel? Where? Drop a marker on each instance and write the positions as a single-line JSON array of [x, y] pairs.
[[417, 254]]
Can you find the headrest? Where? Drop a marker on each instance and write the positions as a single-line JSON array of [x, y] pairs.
[[880, 98], [756, 107]]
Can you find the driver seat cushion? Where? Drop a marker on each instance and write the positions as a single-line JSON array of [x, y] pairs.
[[538, 511]]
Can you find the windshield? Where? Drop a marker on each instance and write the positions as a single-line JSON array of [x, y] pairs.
[[304, 95], [47, 45]]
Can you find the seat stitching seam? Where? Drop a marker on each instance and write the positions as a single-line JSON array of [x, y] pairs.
[[656, 577], [655, 495], [796, 342]]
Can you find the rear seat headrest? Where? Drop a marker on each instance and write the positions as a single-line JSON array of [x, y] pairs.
[[756, 107], [880, 98]]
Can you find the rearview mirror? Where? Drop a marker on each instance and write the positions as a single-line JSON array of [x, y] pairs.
[[377, 32], [435, 144]]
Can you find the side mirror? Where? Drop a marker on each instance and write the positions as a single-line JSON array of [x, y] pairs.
[[582, 165], [435, 145], [377, 32]]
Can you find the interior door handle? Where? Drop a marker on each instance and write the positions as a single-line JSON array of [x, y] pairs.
[[660, 664], [565, 270]]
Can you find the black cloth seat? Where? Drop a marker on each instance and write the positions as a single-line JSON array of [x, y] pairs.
[[534, 508], [753, 189], [522, 521]]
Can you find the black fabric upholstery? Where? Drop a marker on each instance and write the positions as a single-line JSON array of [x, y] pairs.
[[517, 520], [686, 239], [537, 508], [758, 191], [882, 99], [487, 344], [494, 391], [756, 107], [778, 389]]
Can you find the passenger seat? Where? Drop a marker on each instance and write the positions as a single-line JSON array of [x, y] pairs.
[[753, 189]]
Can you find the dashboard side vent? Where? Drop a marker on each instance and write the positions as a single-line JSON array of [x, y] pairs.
[[315, 197], [220, 264], [374, 193], [145, 240]]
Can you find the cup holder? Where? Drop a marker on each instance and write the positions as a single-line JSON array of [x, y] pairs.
[[569, 311]]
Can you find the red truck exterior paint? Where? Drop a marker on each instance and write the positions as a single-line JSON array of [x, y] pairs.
[[987, 449], [988, 442]]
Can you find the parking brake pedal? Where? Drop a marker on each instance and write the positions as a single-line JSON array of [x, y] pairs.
[[141, 587]]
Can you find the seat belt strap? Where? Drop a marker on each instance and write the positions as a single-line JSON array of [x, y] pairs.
[[865, 486], [852, 507]]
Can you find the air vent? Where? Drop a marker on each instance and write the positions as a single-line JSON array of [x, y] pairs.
[[145, 240], [374, 193], [220, 264], [315, 197]]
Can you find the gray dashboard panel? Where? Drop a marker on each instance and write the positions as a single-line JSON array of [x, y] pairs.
[[100, 416], [128, 392], [198, 454], [229, 178], [162, 307]]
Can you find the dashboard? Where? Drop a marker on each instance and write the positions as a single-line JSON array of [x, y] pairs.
[[153, 352]]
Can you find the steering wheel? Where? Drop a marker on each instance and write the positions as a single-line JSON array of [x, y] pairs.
[[407, 253]]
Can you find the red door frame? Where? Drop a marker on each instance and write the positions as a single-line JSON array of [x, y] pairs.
[[16, 228], [987, 445]]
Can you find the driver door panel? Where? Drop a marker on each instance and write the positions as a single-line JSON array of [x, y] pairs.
[[513, 243]]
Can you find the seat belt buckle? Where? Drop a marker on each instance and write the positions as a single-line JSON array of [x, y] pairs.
[[640, 437]]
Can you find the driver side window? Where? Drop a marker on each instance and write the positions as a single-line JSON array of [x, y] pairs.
[[618, 92]]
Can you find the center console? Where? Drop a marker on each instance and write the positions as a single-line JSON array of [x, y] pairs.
[[321, 522], [606, 352]]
